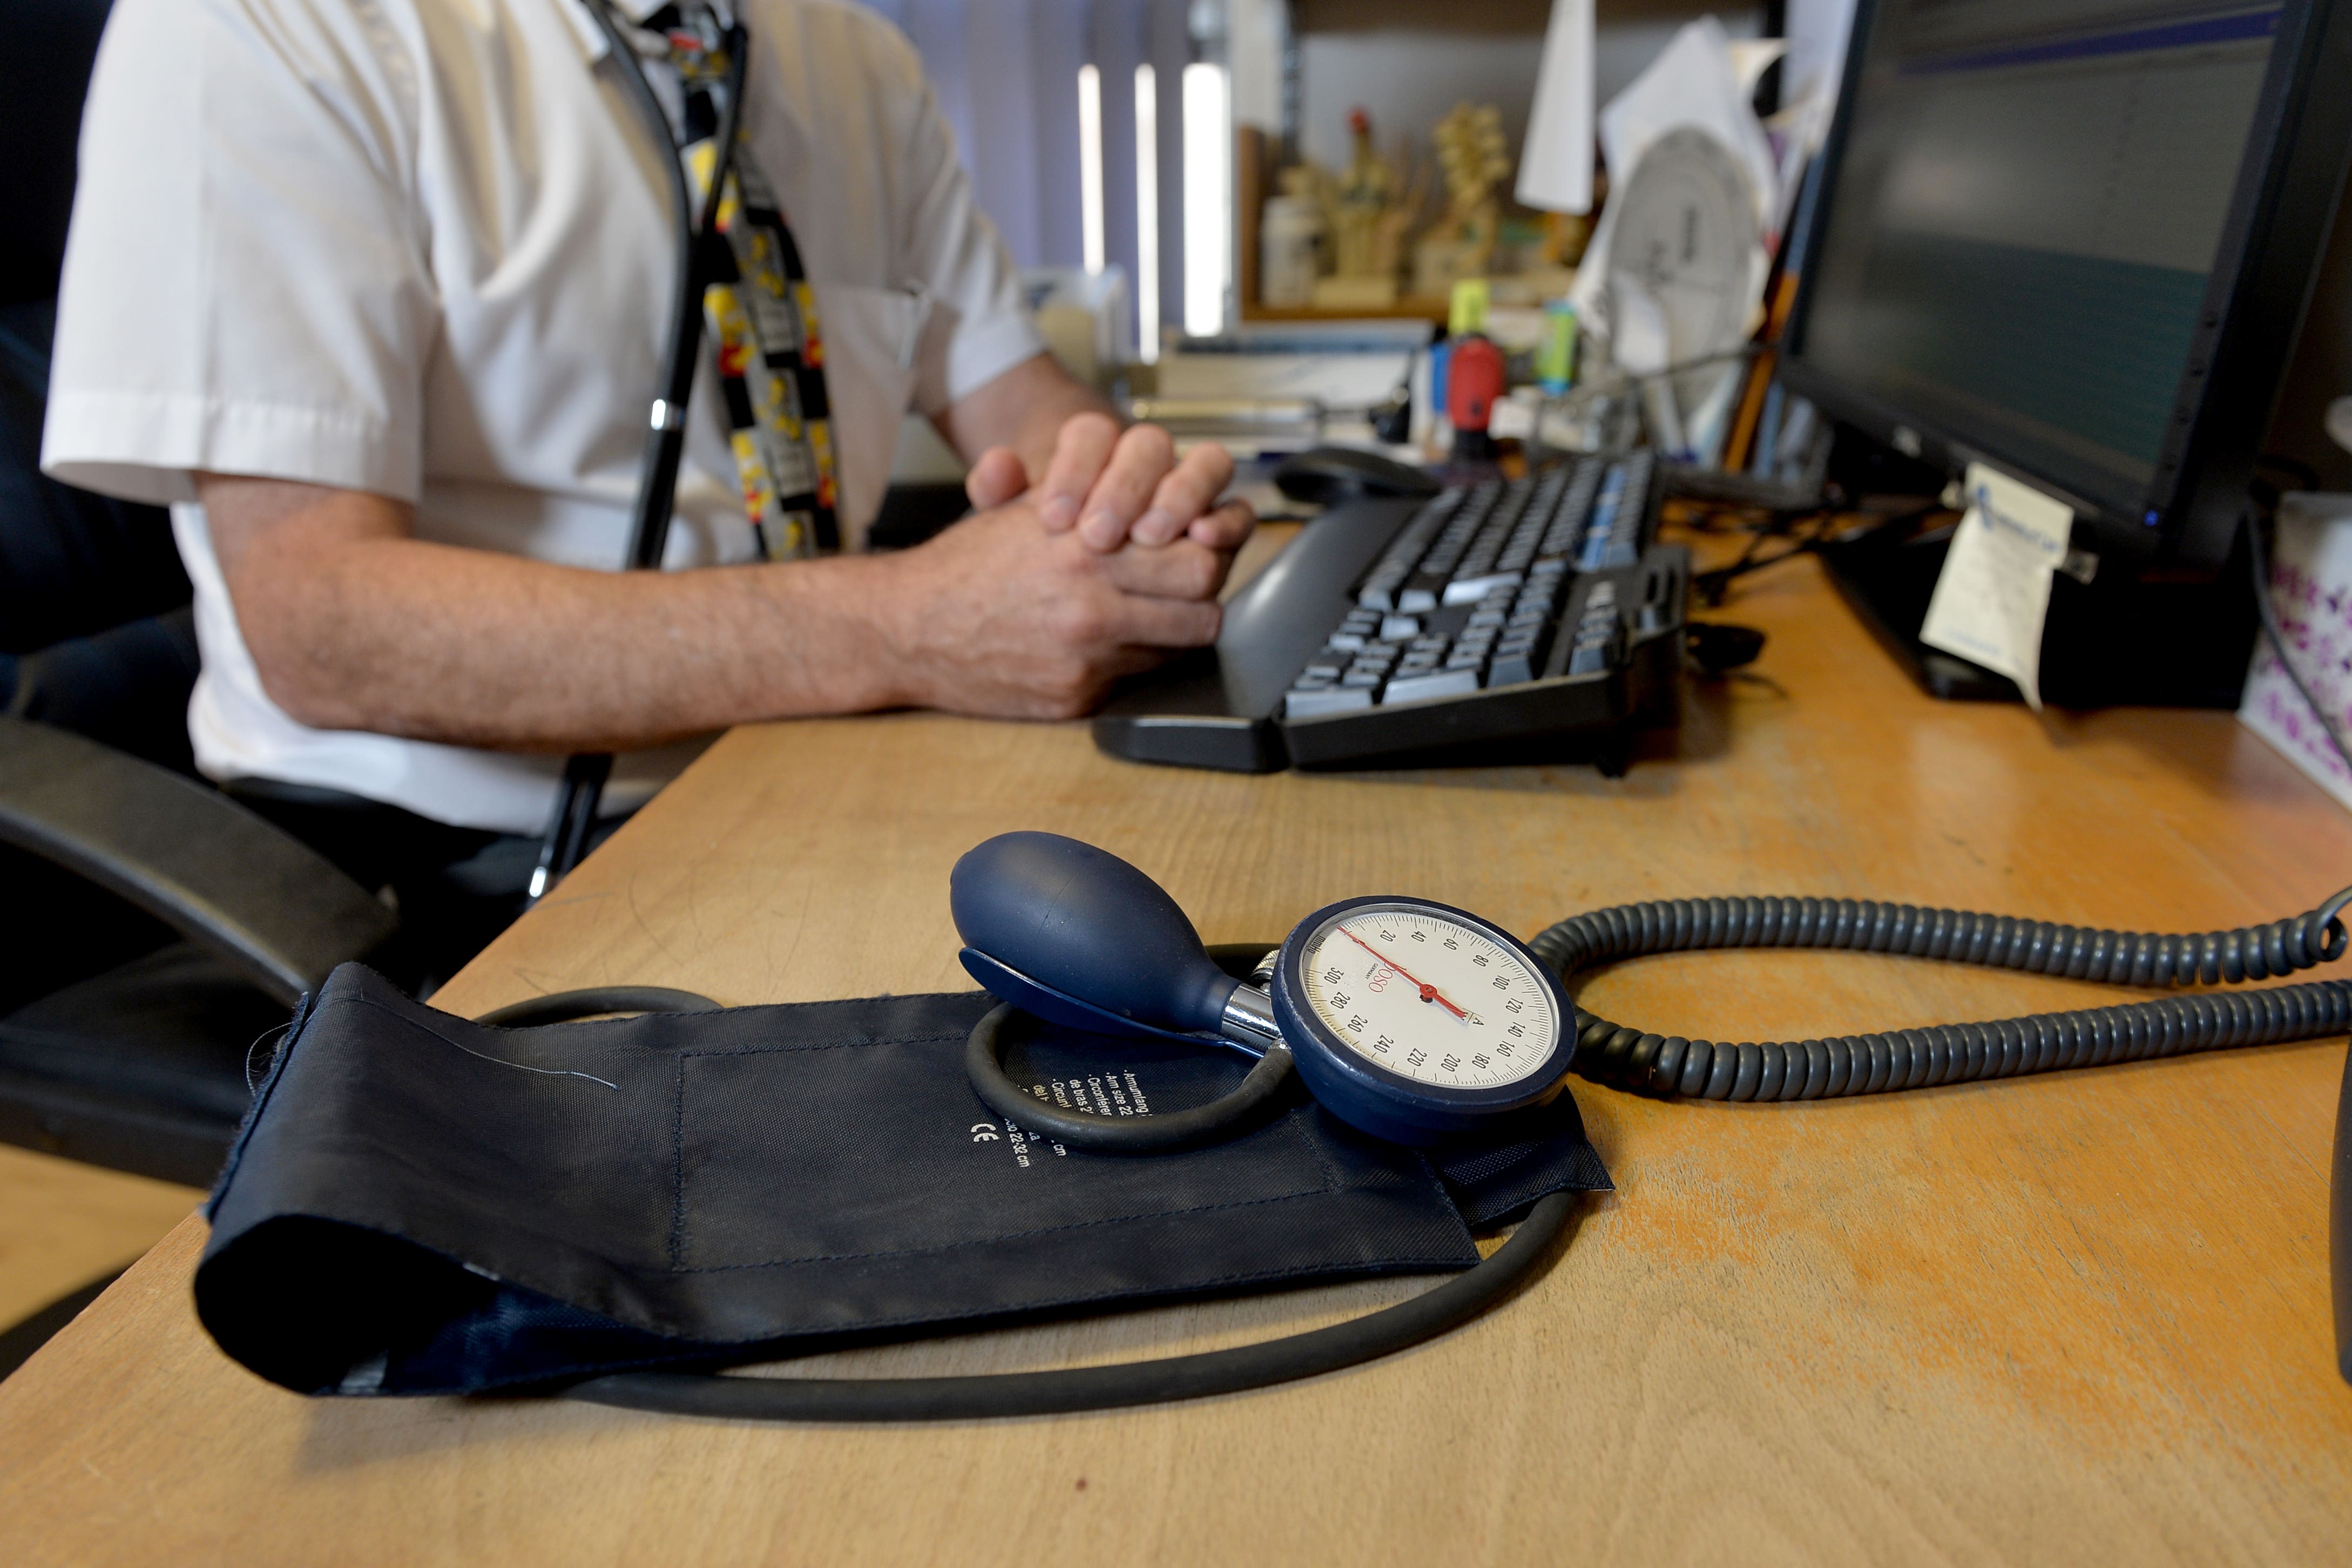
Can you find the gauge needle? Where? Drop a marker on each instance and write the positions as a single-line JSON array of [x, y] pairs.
[[1428, 992]]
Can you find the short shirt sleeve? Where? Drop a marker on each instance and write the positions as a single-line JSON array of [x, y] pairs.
[[245, 285], [979, 326]]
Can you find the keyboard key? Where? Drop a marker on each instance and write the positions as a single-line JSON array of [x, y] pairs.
[[1436, 683], [1335, 699], [1510, 668], [1588, 658], [1399, 628], [1472, 590]]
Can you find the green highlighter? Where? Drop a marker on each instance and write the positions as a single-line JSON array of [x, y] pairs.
[[1556, 355]]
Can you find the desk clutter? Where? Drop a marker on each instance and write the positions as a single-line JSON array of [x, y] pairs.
[[2021, 1228]]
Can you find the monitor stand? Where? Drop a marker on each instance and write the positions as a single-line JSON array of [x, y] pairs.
[[2139, 642]]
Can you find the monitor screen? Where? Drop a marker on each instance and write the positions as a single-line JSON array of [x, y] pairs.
[[2032, 199]]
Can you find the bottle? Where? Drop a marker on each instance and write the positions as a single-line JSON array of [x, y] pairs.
[[1291, 239], [1474, 371], [1556, 358], [1473, 382]]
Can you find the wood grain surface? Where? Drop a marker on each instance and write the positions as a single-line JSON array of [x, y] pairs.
[[63, 1226], [2082, 1317]]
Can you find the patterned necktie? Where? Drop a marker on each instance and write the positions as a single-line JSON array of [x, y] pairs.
[[760, 315]]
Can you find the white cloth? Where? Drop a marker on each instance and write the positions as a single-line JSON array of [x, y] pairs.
[[423, 248]]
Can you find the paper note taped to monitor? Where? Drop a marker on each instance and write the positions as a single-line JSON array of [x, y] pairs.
[[1994, 592]]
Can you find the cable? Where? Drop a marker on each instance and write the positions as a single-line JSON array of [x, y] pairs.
[[563, 1006], [1222, 1118], [1612, 1054], [1715, 586], [1614, 380], [565, 843], [1285, 1360]]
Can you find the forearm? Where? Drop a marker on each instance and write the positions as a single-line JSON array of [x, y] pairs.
[[1023, 409], [1040, 419], [437, 643], [354, 624]]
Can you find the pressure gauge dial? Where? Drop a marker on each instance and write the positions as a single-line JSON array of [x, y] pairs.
[[1415, 1020], [1412, 1020]]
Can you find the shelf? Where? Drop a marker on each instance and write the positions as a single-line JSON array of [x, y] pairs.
[[1404, 309]]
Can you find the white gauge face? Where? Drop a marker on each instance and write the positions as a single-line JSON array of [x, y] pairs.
[[1428, 998]]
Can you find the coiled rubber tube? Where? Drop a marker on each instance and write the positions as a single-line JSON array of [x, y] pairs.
[[1629, 1058]]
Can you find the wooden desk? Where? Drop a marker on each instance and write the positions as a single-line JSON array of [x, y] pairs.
[[2079, 1316]]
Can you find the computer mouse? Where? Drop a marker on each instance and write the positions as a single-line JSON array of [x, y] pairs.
[[1326, 476]]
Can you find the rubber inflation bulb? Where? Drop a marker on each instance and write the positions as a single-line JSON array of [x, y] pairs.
[[1084, 922]]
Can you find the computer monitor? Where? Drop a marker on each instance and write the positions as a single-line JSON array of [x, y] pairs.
[[2075, 240]]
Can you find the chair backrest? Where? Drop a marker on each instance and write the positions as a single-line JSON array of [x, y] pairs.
[[260, 899]]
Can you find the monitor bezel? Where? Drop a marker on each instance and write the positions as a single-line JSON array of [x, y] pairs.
[[2187, 517]]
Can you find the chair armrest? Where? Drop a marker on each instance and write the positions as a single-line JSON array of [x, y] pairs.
[[261, 900]]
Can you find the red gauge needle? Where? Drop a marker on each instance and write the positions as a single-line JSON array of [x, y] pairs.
[[1428, 993]]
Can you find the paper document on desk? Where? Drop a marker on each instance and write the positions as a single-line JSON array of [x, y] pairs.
[[1994, 592]]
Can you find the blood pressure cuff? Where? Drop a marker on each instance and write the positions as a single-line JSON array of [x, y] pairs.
[[420, 1204]]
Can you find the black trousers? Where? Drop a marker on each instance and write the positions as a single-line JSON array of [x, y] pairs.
[[455, 887]]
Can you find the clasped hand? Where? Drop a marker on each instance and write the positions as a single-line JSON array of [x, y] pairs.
[[1110, 561]]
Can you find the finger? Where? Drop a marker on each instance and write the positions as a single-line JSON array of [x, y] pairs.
[[995, 477], [1228, 528], [1080, 450], [1188, 491], [1179, 570], [1143, 457], [1145, 622]]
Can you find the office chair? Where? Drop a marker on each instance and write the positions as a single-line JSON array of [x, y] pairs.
[[142, 1066]]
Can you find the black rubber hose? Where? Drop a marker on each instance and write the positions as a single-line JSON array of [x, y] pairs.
[[1623, 1057], [563, 1006], [1285, 1360], [984, 1064]]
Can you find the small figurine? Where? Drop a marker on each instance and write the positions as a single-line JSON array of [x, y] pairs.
[[1365, 222], [1473, 154], [1363, 195]]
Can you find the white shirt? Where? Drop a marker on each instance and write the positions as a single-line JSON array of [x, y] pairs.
[[423, 248]]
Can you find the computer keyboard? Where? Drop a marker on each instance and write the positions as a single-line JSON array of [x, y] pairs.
[[1534, 615]]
